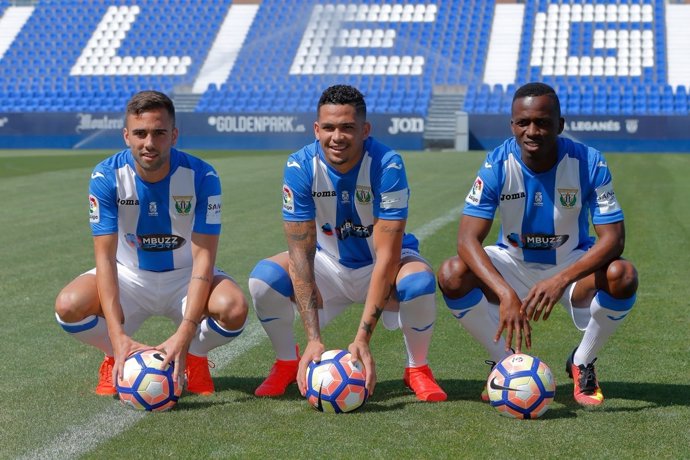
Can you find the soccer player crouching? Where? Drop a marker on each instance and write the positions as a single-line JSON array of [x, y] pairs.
[[155, 216], [545, 187]]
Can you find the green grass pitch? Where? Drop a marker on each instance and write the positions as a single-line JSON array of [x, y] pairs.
[[48, 408]]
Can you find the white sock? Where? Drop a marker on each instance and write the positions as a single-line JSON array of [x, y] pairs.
[[607, 314], [417, 318], [211, 335], [480, 319], [92, 330], [277, 315]]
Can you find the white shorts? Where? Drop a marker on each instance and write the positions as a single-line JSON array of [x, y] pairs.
[[521, 276], [341, 286], [144, 293]]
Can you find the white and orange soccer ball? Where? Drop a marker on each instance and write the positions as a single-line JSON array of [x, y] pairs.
[[145, 385], [336, 384], [521, 386]]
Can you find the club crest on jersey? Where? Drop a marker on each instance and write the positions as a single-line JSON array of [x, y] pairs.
[[94, 210], [568, 197], [288, 200], [183, 204], [363, 194], [475, 194], [153, 209], [345, 196]]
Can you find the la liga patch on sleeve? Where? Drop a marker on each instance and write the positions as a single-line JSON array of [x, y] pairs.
[[213, 211]]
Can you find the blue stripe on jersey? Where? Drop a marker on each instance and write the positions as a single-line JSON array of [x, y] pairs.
[[154, 225], [540, 217], [352, 235]]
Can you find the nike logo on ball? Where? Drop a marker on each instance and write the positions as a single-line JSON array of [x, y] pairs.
[[495, 386]]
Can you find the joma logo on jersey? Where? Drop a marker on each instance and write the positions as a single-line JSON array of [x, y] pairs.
[[183, 204], [155, 242], [325, 194], [512, 196], [123, 202]]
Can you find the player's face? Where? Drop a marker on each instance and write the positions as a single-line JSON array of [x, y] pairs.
[[150, 136], [536, 125], [341, 134]]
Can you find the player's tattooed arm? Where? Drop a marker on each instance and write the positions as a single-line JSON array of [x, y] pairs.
[[301, 239]]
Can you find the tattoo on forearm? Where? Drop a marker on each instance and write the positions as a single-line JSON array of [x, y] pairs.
[[377, 312], [390, 229], [200, 278], [366, 327]]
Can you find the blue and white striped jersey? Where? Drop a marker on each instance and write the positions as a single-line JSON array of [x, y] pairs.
[[344, 205], [154, 221], [545, 216]]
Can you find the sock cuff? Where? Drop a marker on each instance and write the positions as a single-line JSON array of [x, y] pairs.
[[274, 275], [87, 323], [469, 300], [214, 326], [416, 285], [606, 301]]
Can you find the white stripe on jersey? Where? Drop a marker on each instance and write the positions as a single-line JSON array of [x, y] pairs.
[[566, 218]]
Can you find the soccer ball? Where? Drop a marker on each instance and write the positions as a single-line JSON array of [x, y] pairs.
[[336, 384], [521, 386], [145, 386]]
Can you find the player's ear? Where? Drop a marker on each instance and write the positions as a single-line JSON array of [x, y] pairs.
[[366, 129], [125, 136], [561, 125], [175, 133], [316, 129]]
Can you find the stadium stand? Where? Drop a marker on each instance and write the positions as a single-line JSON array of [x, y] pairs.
[[616, 57]]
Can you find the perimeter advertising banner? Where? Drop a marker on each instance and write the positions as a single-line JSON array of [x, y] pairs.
[[291, 131], [197, 131]]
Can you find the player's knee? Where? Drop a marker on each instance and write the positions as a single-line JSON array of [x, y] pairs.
[[622, 278], [267, 277], [232, 310], [451, 277], [416, 285], [68, 307]]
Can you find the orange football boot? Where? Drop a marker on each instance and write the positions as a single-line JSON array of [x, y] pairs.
[[105, 385], [587, 391], [422, 382], [199, 379]]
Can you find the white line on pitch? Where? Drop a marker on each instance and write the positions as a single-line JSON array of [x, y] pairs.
[[80, 439]]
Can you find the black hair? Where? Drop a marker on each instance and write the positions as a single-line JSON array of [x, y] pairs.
[[538, 89], [344, 95]]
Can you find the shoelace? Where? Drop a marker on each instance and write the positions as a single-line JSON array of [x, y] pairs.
[[588, 378]]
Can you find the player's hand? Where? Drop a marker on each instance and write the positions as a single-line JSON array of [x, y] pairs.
[[360, 351], [312, 352], [124, 346], [514, 323], [542, 297], [175, 349]]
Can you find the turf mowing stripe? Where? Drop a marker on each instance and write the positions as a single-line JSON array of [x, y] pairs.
[[81, 439]]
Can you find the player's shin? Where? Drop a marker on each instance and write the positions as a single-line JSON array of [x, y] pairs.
[[270, 288], [92, 330], [416, 293], [211, 335], [475, 314], [607, 313]]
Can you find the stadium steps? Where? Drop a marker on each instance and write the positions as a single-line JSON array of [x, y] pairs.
[[185, 102], [11, 24], [223, 54], [439, 129]]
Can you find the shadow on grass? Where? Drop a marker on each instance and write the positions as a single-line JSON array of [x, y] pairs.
[[392, 395]]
